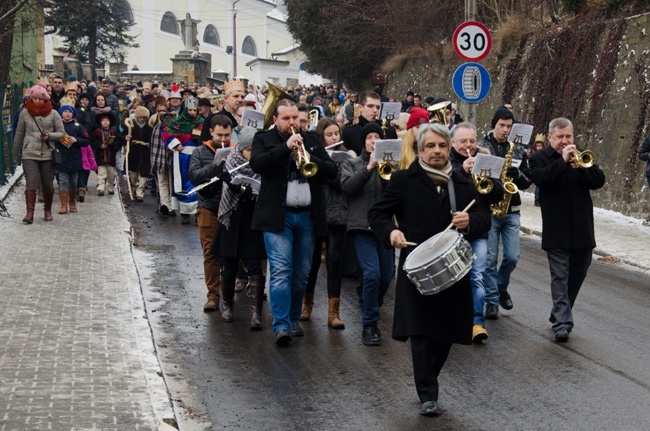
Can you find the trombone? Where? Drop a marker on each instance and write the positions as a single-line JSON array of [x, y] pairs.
[[306, 167]]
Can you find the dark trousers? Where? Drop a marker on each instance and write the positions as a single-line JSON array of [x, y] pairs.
[[428, 359], [229, 268], [36, 170], [334, 243], [568, 270]]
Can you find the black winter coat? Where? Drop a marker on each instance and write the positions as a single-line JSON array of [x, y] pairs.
[[71, 159], [363, 188], [488, 199], [567, 209], [139, 154], [239, 240], [105, 156], [270, 157], [421, 212]]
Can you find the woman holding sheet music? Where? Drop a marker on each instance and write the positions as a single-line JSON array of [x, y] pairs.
[[337, 211], [361, 182], [235, 239]]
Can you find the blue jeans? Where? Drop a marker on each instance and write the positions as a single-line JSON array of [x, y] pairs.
[[377, 266], [82, 179], [505, 229], [289, 255], [480, 247]]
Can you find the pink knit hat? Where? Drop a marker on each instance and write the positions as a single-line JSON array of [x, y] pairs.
[[38, 92]]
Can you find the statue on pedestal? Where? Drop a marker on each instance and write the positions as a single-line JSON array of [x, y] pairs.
[[189, 32]]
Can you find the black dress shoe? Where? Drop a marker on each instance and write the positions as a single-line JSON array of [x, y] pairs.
[[491, 311], [429, 408], [296, 330], [282, 337], [185, 219], [371, 336], [505, 300], [562, 335]]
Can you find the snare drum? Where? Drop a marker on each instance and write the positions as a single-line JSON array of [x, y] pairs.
[[438, 262]]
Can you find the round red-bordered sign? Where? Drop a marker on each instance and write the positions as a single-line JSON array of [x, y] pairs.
[[472, 41]]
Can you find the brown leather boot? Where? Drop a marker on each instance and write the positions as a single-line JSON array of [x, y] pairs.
[[30, 202], [333, 320], [48, 197], [73, 202], [63, 197], [256, 289], [307, 306]]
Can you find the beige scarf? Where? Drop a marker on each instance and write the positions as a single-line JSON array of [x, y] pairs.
[[439, 177]]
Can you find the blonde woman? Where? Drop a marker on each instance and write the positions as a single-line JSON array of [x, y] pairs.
[[409, 141]]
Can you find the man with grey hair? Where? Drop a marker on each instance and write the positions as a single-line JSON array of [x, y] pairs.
[[462, 156], [567, 218], [418, 199]]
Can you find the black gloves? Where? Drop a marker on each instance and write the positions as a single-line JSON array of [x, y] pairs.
[[513, 173]]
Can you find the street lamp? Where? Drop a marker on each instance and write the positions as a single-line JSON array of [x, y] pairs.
[[234, 38]]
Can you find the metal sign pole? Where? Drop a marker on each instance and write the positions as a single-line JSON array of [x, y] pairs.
[[470, 15]]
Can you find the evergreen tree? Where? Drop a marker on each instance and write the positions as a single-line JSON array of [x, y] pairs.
[[93, 30]]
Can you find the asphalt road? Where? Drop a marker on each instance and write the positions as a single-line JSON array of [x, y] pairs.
[[223, 376]]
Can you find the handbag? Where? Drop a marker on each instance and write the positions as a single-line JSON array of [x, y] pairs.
[[56, 154]]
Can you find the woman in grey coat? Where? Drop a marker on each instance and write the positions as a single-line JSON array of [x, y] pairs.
[[39, 126]]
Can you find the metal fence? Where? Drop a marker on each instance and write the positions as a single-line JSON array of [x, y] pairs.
[[11, 97]]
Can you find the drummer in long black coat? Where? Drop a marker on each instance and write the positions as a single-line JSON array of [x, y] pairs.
[[418, 197]]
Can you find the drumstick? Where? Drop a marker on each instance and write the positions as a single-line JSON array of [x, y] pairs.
[[413, 244], [451, 224]]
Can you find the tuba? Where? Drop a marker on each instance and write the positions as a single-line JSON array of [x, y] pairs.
[[501, 209], [275, 94], [440, 112]]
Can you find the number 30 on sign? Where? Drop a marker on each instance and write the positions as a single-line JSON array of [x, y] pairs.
[[472, 41]]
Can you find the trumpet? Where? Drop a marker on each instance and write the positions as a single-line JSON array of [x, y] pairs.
[[483, 183], [584, 159], [385, 169], [306, 167]]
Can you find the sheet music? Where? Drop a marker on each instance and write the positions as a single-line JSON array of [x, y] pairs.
[[247, 181], [253, 119], [390, 111], [490, 166], [521, 133], [388, 150], [339, 156], [221, 154]]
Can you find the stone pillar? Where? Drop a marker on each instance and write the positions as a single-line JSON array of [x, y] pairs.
[[86, 71], [190, 70], [115, 69], [100, 72], [73, 67], [58, 64]]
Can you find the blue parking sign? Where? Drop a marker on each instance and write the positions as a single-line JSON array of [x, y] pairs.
[[471, 82]]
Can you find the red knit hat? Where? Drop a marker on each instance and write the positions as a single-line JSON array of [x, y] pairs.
[[418, 116]]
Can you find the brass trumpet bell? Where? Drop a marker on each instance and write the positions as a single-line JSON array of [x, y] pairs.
[[585, 159], [309, 169], [484, 185], [385, 170]]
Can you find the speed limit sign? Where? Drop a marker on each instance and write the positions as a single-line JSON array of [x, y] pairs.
[[472, 41]]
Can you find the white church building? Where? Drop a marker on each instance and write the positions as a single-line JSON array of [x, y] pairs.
[[244, 38]]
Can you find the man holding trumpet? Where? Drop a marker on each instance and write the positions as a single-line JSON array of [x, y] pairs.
[[290, 210], [567, 218]]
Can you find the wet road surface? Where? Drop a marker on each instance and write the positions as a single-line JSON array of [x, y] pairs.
[[223, 376]]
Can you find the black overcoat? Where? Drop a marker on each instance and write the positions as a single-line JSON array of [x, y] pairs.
[[421, 212], [270, 157], [239, 240], [567, 209]]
